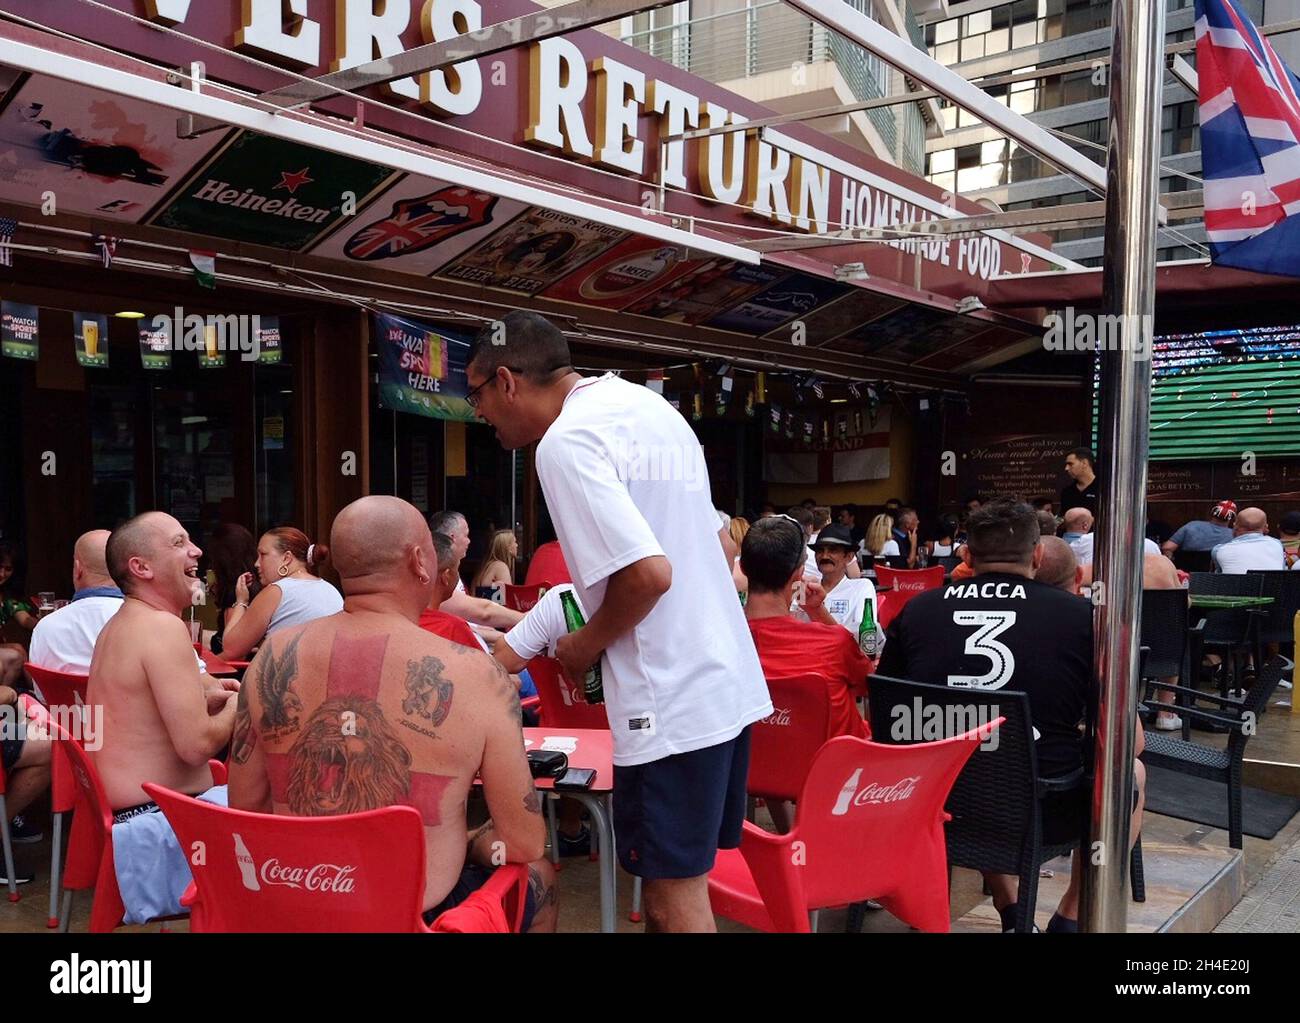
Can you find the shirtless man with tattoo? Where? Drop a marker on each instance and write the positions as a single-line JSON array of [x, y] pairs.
[[364, 709]]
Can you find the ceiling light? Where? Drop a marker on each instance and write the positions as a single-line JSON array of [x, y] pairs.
[[127, 314]]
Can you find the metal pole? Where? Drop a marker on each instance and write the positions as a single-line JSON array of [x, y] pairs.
[[1128, 290]]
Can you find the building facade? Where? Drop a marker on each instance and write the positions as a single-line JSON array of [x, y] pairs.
[[979, 38]]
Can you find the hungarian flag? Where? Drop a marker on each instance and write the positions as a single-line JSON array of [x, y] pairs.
[[844, 459], [205, 267], [1250, 143]]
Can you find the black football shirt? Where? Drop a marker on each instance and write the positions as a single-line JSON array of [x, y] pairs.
[[997, 631]]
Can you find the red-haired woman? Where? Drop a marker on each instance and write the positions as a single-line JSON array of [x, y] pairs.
[[293, 593]]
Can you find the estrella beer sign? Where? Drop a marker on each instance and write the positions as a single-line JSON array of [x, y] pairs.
[[421, 368]]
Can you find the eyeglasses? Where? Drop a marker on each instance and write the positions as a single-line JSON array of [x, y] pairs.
[[472, 397]]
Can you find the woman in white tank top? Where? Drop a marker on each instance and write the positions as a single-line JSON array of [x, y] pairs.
[[293, 593]]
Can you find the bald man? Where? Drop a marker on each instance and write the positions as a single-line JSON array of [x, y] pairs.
[[65, 640], [365, 709], [1075, 523], [162, 718], [1251, 548], [1059, 566]]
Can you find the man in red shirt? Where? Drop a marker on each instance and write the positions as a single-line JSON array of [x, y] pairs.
[[441, 623], [772, 557]]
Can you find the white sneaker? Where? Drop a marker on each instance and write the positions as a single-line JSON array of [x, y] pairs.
[[1166, 722]]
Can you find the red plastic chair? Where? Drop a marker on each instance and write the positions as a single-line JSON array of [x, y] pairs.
[[60, 689], [783, 745], [888, 604], [869, 825], [90, 846], [524, 598], [563, 705], [910, 580], [354, 873]]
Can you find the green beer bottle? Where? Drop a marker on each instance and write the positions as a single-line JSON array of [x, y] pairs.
[[593, 688], [868, 634]]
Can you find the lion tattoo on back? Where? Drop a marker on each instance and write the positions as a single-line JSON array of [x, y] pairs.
[[347, 759]]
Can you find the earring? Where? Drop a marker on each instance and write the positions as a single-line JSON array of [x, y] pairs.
[[284, 570]]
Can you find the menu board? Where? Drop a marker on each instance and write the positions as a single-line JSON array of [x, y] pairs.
[[1179, 481], [1209, 482], [1030, 465]]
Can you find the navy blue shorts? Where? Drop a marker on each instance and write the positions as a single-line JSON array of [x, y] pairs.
[[472, 878], [672, 815]]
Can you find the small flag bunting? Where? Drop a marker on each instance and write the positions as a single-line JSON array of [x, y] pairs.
[[205, 267], [107, 246], [8, 228]]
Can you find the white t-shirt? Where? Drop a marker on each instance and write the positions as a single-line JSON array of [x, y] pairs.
[[1249, 552], [810, 570], [538, 631], [890, 550], [1082, 548], [625, 479], [303, 601], [65, 640], [845, 603]]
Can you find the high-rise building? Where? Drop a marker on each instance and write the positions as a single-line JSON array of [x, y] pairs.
[[773, 54], [982, 38]]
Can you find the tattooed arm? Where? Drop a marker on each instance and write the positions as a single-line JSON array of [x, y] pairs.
[[249, 787], [514, 804]]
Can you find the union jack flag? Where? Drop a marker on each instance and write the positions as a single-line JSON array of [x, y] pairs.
[[416, 224], [1250, 143]]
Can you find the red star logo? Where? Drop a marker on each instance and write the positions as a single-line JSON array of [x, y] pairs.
[[292, 182]]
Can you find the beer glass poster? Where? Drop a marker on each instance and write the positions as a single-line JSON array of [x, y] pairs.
[[155, 346], [90, 332], [421, 368], [19, 334]]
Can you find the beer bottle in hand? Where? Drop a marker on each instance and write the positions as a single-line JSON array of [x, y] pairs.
[[593, 687], [868, 633]]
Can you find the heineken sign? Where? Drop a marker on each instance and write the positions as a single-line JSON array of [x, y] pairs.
[[272, 192]]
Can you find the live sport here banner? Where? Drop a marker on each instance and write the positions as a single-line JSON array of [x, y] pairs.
[[421, 368]]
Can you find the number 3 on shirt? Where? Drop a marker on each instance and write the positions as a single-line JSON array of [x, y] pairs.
[[983, 643]]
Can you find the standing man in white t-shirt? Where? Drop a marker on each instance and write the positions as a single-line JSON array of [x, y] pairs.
[[846, 598], [628, 491], [65, 640]]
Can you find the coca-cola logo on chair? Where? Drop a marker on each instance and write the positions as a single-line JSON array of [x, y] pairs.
[[333, 878], [873, 793], [779, 716]]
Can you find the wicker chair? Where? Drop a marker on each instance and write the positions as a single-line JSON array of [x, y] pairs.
[[1223, 765], [996, 821], [1229, 629], [1278, 623]]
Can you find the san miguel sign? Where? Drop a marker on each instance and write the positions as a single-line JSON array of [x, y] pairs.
[[584, 97]]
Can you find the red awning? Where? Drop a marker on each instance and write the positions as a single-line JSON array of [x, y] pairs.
[[1187, 284]]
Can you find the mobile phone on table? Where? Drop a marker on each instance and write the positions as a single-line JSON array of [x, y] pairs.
[[576, 779]]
